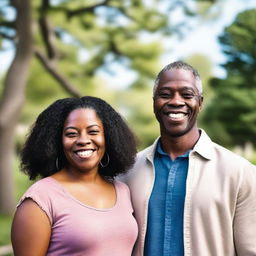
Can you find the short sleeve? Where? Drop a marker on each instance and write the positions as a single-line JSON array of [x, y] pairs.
[[37, 193]]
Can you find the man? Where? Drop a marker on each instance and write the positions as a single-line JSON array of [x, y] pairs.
[[190, 195]]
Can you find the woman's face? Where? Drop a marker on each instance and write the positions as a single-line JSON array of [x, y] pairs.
[[83, 140]]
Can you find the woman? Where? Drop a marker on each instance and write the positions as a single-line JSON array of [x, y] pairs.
[[77, 146]]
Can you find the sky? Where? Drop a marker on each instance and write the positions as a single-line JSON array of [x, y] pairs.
[[202, 39]]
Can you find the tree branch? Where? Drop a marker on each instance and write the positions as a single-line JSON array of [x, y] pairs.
[[48, 36], [79, 11], [8, 24], [47, 31], [56, 75], [125, 13], [5, 36]]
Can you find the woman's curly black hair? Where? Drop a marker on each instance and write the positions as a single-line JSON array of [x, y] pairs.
[[44, 143]]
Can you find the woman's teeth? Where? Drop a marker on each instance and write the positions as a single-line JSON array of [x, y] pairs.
[[85, 153]]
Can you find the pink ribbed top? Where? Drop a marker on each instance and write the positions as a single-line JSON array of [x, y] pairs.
[[81, 230]]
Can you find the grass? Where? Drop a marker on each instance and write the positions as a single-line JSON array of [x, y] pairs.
[[5, 224]]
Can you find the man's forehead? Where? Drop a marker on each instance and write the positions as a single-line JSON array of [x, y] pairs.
[[178, 75]]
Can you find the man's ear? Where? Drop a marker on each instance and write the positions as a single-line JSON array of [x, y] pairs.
[[153, 103], [201, 99]]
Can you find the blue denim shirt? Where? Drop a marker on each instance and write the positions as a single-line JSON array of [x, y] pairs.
[[166, 206]]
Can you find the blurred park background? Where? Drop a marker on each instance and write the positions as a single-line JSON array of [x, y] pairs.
[[113, 49]]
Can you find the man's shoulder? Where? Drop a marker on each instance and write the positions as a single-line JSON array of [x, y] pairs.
[[229, 155], [212, 150]]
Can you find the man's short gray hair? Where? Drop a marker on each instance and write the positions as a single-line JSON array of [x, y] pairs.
[[180, 65]]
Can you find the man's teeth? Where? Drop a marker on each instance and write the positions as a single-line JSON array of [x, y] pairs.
[[85, 153], [176, 115]]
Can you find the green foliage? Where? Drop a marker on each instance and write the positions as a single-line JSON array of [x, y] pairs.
[[87, 42], [89, 36], [235, 110], [238, 43], [231, 112], [136, 105], [203, 64]]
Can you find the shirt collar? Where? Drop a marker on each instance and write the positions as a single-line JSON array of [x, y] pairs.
[[160, 151], [203, 147]]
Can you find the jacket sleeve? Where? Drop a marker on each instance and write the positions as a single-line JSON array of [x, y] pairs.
[[245, 214]]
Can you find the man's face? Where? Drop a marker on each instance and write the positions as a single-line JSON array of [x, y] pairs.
[[177, 102]]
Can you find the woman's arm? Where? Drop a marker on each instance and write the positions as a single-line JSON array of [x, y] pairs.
[[31, 230]]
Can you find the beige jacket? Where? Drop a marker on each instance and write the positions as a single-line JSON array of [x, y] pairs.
[[220, 203]]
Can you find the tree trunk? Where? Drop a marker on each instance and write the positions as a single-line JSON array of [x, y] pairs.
[[12, 101]]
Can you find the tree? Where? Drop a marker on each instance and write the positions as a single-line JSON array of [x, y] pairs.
[[12, 101], [231, 115], [57, 33]]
